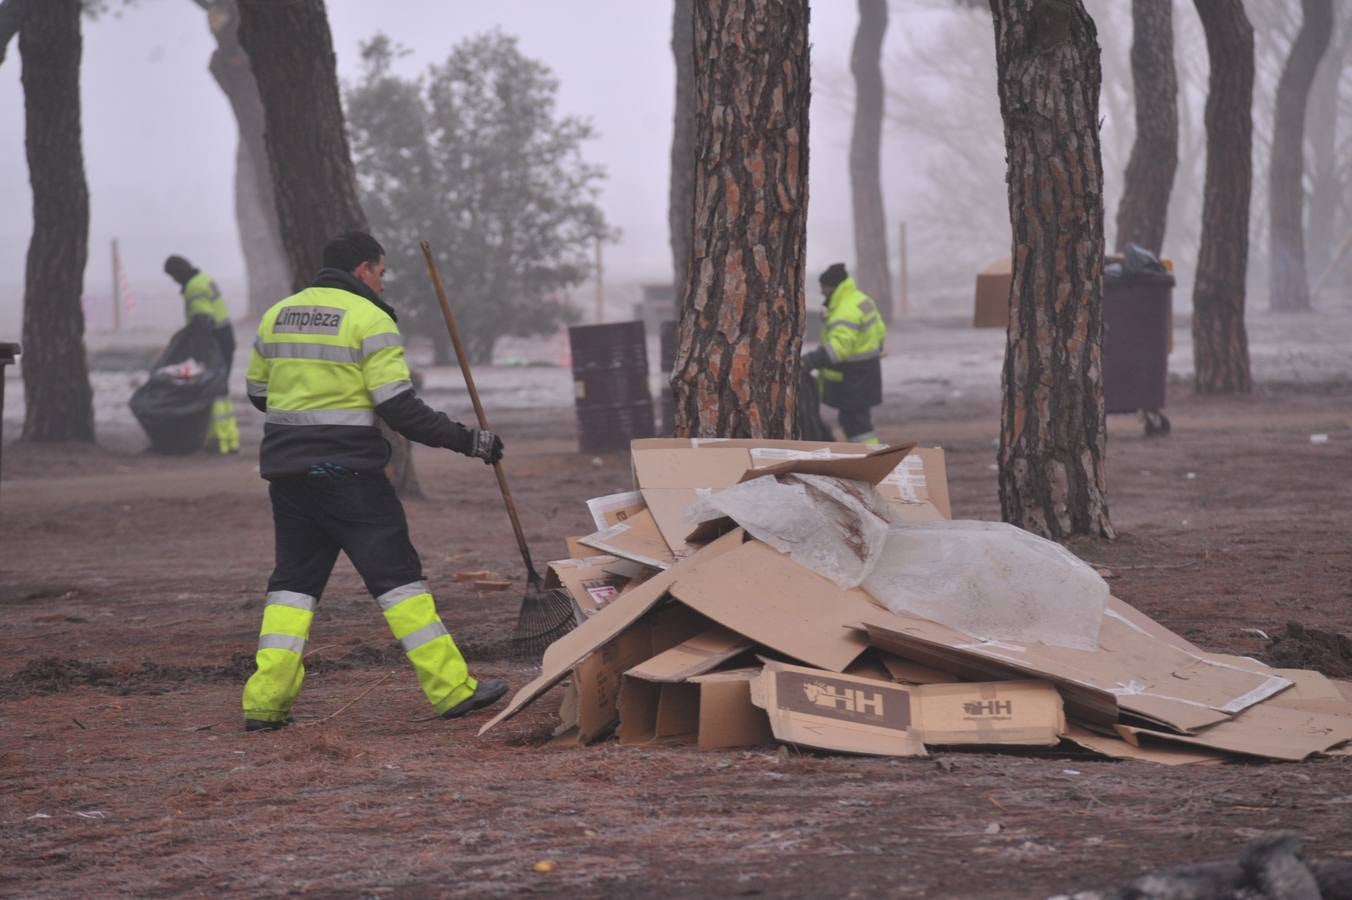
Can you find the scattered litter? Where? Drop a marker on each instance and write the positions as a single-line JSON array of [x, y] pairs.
[[1319, 438], [1070, 771], [92, 814], [40, 815], [544, 866], [1191, 476], [745, 599], [489, 585], [993, 828], [474, 575]]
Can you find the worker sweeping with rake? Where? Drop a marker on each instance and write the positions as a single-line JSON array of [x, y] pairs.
[[326, 363]]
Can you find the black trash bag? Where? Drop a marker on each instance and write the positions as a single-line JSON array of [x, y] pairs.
[[1138, 264], [174, 405], [809, 411]]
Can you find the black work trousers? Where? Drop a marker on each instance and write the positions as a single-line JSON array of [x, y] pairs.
[[856, 422], [360, 514]]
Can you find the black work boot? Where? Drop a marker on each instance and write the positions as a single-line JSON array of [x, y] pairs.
[[489, 691], [262, 725]]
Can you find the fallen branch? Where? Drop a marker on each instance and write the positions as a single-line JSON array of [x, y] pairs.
[[378, 682]]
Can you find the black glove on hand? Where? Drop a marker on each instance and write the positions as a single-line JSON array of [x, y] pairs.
[[815, 359], [485, 445]]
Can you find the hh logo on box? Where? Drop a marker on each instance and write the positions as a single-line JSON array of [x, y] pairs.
[[882, 705], [308, 320], [989, 708]]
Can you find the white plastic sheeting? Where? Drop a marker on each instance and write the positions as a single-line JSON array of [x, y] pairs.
[[836, 528], [992, 581]]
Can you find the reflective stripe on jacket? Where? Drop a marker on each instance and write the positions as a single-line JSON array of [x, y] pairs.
[[853, 331], [323, 360], [201, 297]]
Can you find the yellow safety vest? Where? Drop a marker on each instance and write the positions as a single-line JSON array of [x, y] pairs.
[[201, 297], [852, 331], [325, 357]]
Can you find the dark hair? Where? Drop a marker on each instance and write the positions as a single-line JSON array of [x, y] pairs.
[[179, 269], [350, 249], [834, 275]]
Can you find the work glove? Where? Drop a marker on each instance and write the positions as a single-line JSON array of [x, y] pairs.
[[815, 359], [485, 445]]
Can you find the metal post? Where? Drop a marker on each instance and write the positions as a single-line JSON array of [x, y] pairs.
[[903, 298], [600, 285], [117, 289], [8, 352]]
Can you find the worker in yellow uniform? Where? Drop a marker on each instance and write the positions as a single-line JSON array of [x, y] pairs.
[[848, 360], [328, 362], [201, 297]]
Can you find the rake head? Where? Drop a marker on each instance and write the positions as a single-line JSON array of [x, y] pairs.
[[546, 615]]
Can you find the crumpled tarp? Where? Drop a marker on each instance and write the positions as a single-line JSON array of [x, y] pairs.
[[992, 581], [834, 527]]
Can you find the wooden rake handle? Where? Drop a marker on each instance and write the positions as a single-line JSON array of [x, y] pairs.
[[461, 356]]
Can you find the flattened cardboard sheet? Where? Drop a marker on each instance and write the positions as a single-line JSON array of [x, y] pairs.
[[765, 596], [636, 539], [1164, 754], [573, 647], [1265, 730], [1131, 669], [588, 581], [702, 653], [614, 508]]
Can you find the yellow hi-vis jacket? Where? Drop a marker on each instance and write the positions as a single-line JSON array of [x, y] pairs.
[[201, 297], [852, 338], [323, 360]]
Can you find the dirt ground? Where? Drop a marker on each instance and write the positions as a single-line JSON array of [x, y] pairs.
[[130, 591]]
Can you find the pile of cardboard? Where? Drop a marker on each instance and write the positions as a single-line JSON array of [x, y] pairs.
[[696, 632]]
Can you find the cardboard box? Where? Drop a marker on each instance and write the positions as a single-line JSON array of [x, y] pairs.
[[1266, 730], [993, 283], [588, 580], [820, 709], [762, 594], [713, 710], [670, 473], [637, 539], [561, 656]]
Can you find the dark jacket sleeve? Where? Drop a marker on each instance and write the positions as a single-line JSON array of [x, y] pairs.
[[415, 420]]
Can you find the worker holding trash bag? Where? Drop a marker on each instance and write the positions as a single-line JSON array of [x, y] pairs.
[[848, 360], [201, 297], [327, 362]]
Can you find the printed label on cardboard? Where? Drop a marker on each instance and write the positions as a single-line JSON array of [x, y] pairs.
[[881, 705]]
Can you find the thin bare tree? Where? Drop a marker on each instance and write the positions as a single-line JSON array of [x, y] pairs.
[[1220, 341], [866, 189], [58, 398], [1143, 212], [1289, 286]]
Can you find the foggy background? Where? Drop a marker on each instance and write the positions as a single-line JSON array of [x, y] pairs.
[[159, 138]]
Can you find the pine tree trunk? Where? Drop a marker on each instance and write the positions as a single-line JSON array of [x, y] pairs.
[[866, 188], [57, 395], [291, 54], [1289, 285], [1219, 341], [260, 240], [736, 372], [315, 186], [1052, 435], [1144, 209], [681, 195], [1326, 185]]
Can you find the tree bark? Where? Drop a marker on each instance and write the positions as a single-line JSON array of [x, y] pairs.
[[1321, 122], [1144, 210], [1219, 341], [1289, 285], [681, 194], [736, 372], [291, 53], [1052, 435], [315, 186], [866, 188], [59, 402], [255, 208]]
